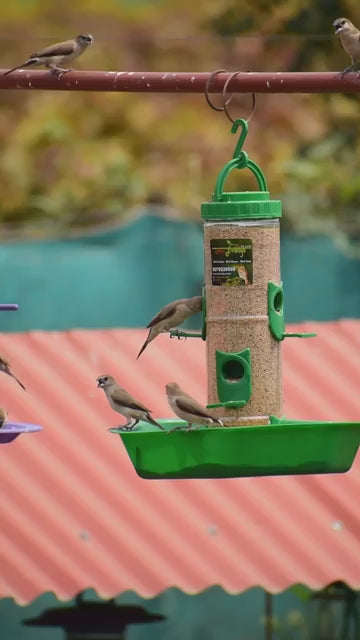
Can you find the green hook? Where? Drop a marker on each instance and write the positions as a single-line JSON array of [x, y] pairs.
[[244, 126], [240, 160]]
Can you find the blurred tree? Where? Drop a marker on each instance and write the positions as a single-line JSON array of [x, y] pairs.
[[73, 160]]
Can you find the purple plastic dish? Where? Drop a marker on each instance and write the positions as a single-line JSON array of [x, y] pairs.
[[12, 430], [9, 307]]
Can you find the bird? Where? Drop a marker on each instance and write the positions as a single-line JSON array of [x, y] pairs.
[[122, 402], [3, 416], [171, 316], [188, 409], [5, 368], [243, 274], [57, 54], [349, 37]]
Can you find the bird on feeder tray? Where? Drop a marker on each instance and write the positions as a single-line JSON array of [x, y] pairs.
[[171, 316], [122, 402], [188, 409], [5, 368], [57, 54], [3, 416], [349, 37]]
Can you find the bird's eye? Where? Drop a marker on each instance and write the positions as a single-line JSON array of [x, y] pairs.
[[343, 22]]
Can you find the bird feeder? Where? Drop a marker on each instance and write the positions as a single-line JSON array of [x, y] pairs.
[[12, 430], [244, 327]]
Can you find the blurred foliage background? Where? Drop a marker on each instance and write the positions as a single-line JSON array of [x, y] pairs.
[[76, 160]]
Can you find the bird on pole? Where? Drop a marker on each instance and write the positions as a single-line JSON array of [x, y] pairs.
[[349, 37], [57, 54]]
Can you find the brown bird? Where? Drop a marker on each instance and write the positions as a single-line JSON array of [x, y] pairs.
[[122, 402], [171, 316], [57, 54], [349, 37], [3, 416], [188, 409], [5, 368]]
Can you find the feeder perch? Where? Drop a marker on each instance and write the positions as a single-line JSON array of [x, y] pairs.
[[244, 326], [12, 430], [276, 314]]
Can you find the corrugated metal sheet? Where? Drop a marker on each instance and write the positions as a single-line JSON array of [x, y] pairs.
[[74, 514]]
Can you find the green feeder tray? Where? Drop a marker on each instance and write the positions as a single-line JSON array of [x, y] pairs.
[[284, 447]]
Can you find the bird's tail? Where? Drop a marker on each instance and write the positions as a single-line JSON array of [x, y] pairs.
[[11, 70], [148, 339], [17, 380], [151, 419], [28, 63]]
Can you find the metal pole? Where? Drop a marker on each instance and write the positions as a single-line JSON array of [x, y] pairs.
[[268, 616], [182, 82]]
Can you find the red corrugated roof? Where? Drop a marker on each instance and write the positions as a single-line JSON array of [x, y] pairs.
[[74, 514]]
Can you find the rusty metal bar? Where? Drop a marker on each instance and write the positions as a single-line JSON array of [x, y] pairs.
[[182, 82]]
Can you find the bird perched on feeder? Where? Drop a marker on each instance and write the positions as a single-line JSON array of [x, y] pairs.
[[3, 416], [57, 54], [171, 316], [349, 37], [186, 408], [122, 402], [5, 368]]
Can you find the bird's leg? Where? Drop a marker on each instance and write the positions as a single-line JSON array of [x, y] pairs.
[[176, 334], [129, 425], [179, 428], [58, 71], [352, 67], [186, 428]]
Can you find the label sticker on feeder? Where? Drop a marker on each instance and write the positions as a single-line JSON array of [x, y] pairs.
[[231, 262]]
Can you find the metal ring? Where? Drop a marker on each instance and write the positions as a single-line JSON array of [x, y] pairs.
[[227, 102], [208, 82]]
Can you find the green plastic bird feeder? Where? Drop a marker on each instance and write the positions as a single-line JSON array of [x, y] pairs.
[[244, 326]]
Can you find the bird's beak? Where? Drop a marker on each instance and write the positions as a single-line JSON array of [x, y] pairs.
[[99, 383]]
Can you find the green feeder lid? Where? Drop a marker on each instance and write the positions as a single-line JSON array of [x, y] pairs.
[[242, 204], [284, 447]]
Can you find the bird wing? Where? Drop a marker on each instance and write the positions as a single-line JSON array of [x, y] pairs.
[[191, 406], [124, 399], [58, 49], [164, 313]]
